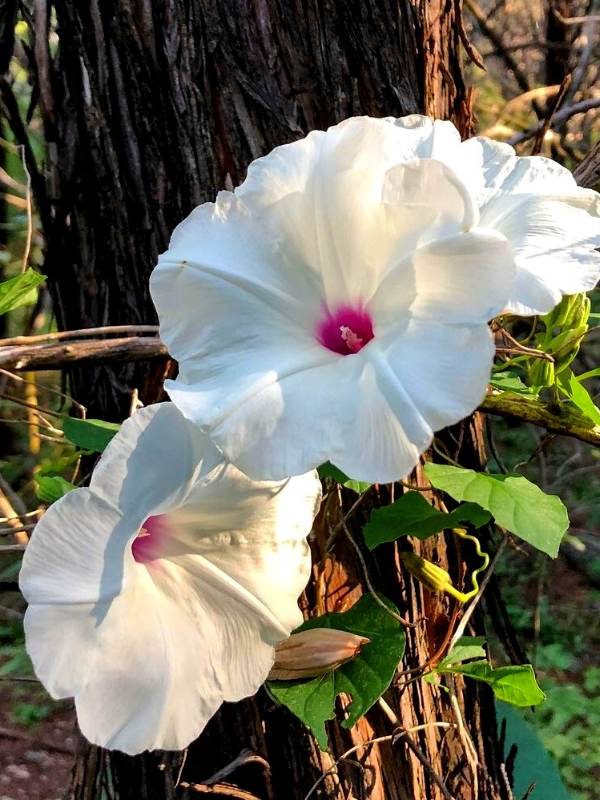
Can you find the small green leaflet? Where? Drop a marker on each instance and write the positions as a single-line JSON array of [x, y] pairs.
[[412, 515], [509, 381], [465, 648], [515, 684], [572, 388], [515, 503], [20, 290], [365, 678], [52, 488], [328, 470], [89, 434]]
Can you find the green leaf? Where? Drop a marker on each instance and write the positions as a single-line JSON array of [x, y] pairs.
[[516, 685], [585, 376], [365, 678], [329, 470], [52, 488], [58, 463], [465, 648], [533, 763], [20, 290], [579, 395], [89, 434], [509, 381], [412, 515], [515, 503]]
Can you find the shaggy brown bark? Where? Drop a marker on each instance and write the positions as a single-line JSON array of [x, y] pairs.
[[150, 107]]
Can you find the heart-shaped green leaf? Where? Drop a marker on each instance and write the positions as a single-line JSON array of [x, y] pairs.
[[412, 515], [515, 503]]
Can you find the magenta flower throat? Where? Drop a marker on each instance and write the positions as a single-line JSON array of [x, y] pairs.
[[345, 331]]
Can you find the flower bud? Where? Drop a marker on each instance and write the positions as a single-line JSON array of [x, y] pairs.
[[561, 315], [434, 577], [541, 373], [565, 346], [313, 652], [581, 312]]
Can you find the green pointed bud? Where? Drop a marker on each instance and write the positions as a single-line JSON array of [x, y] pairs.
[[561, 314], [542, 373], [581, 312]]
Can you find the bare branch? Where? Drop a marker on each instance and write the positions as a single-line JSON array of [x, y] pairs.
[[80, 333], [496, 40], [77, 353], [562, 116], [565, 422], [587, 173]]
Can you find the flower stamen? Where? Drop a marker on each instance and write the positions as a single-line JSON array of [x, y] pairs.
[[346, 330]]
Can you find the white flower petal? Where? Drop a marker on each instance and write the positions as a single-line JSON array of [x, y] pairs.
[[552, 225], [151, 462], [423, 137], [373, 221], [327, 195], [554, 240], [233, 532], [75, 554], [501, 170], [462, 365], [240, 253], [162, 667], [60, 640], [150, 649], [338, 412], [461, 279]]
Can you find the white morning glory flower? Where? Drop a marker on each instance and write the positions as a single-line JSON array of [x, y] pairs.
[[334, 307], [159, 592], [552, 225]]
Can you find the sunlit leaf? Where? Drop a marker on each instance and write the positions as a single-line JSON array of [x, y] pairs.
[[329, 470], [20, 290], [89, 434], [465, 648], [365, 678], [578, 395], [412, 515], [515, 503], [516, 685], [52, 488], [509, 381]]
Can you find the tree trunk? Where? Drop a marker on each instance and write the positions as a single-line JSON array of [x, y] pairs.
[[150, 107]]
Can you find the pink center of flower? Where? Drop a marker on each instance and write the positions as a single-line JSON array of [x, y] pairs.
[[147, 544], [345, 331]]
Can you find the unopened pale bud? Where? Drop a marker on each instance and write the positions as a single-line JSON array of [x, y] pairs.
[[313, 652]]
